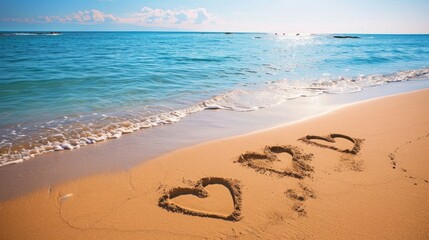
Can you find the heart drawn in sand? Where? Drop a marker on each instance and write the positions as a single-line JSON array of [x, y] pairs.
[[262, 163], [199, 191], [309, 139]]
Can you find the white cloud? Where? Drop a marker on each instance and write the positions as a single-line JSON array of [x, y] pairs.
[[158, 17], [145, 17], [82, 17]]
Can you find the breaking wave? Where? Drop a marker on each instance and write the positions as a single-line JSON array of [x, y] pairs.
[[22, 143]]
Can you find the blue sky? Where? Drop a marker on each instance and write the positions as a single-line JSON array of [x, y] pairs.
[[305, 16]]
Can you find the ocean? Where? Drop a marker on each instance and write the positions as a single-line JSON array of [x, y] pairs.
[[63, 91]]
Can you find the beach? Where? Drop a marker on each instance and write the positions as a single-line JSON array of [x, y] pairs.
[[295, 120], [358, 172]]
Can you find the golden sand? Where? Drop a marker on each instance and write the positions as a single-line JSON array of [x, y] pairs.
[[360, 172]]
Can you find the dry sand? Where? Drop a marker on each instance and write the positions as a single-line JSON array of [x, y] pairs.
[[360, 172]]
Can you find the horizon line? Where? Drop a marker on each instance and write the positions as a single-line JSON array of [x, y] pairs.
[[236, 32]]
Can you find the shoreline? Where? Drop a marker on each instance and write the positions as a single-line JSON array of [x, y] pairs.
[[368, 179], [131, 150], [27, 140]]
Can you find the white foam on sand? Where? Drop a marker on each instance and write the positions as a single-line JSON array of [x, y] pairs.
[[240, 100]]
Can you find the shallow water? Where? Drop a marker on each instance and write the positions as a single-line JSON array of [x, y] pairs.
[[48, 170], [76, 88]]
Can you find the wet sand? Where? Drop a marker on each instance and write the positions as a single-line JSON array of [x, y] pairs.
[[360, 172], [51, 169]]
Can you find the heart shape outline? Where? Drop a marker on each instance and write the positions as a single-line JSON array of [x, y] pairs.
[[299, 168], [199, 191], [331, 138]]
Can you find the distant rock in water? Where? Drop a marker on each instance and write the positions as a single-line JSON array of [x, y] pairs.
[[44, 33], [228, 32], [345, 37]]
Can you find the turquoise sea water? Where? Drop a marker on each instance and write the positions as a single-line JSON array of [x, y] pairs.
[[76, 88]]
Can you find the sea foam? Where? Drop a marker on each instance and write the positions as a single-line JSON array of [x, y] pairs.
[[75, 135]]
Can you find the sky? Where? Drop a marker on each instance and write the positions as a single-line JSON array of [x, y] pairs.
[[290, 16]]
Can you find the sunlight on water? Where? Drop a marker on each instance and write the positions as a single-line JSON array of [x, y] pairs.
[[63, 91]]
